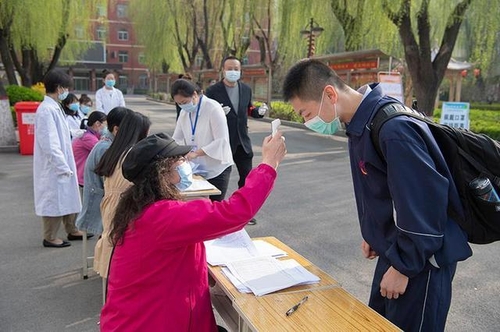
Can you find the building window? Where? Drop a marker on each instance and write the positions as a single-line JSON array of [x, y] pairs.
[[101, 33], [141, 59], [123, 56], [121, 10], [199, 61], [101, 11], [122, 34], [143, 81], [79, 32], [123, 81]]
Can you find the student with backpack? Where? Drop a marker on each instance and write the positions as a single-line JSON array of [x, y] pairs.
[[402, 199]]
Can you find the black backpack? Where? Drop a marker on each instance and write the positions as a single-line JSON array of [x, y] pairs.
[[468, 156]]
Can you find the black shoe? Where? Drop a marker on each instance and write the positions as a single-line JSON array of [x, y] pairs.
[[252, 222], [72, 237], [48, 244]]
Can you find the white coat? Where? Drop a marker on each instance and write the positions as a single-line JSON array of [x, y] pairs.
[[106, 100], [211, 134], [54, 171]]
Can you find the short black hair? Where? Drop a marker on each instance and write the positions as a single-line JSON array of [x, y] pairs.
[[106, 72], [184, 88], [56, 78], [93, 118], [307, 79], [229, 57]]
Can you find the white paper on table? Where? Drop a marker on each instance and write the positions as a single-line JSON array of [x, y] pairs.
[[238, 246], [238, 284], [264, 275], [267, 249], [234, 246], [200, 184]]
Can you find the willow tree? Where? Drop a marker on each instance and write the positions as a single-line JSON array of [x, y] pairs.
[[237, 26], [428, 31], [293, 17], [34, 33], [177, 32]]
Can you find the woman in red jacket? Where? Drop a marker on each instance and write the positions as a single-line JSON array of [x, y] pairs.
[[158, 279]]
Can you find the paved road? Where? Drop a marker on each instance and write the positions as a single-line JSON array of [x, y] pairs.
[[311, 209]]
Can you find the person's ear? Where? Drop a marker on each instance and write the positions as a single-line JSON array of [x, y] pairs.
[[115, 130], [331, 94]]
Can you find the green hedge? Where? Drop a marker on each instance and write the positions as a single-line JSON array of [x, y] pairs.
[[481, 121], [18, 93], [282, 110]]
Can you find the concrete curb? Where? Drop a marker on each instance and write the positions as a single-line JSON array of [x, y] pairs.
[[9, 149]]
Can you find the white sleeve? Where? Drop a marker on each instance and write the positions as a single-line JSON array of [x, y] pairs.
[[218, 126], [122, 100], [48, 141], [98, 101], [178, 135]]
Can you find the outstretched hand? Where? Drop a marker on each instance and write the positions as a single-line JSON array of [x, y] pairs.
[[273, 150]]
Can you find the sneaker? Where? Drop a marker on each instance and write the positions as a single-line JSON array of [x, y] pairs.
[[252, 222]]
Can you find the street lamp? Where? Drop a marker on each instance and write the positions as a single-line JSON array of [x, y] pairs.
[[311, 31]]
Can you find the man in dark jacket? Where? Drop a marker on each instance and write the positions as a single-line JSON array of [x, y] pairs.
[[402, 202], [236, 97]]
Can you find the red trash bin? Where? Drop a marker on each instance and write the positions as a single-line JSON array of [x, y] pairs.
[[25, 113]]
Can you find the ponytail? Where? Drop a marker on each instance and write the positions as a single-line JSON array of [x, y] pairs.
[[84, 123]]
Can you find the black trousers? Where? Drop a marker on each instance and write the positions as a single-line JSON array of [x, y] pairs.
[[243, 163], [221, 182], [425, 303]]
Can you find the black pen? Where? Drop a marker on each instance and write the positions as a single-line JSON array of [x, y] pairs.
[[295, 307]]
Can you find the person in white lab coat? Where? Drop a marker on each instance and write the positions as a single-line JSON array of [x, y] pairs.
[[108, 97], [57, 198], [74, 117]]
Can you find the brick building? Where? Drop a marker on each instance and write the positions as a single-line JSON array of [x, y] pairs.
[[114, 47]]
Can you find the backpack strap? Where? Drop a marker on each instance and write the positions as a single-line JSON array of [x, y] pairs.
[[384, 114]]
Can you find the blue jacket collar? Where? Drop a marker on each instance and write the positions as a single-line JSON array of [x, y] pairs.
[[364, 112]]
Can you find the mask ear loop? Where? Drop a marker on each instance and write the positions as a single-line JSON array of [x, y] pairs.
[[321, 103]]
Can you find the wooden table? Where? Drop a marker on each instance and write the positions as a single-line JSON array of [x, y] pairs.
[[329, 307]]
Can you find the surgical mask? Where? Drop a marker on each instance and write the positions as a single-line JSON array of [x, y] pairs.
[[318, 125], [104, 131], [75, 107], [63, 95], [110, 83], [85, 109], [189, 107], [232, 75], [186, 174]]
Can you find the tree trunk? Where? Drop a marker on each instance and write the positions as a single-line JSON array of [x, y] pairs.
[[426, 73], [7, 133], [6, 59]]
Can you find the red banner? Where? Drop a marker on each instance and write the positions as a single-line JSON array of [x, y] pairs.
[[369, 64]]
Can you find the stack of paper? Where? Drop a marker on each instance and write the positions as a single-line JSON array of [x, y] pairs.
[[199, 184], [264, 275], [237, 246], [252, 265]]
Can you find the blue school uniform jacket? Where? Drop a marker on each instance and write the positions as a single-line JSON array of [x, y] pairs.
[[402, 203]]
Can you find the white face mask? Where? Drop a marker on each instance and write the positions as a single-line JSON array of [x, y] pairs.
[[318, 125], [232, 75]]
